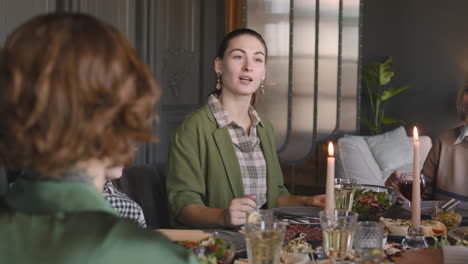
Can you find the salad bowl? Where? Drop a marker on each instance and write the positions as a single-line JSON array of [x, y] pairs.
[[373, 201]]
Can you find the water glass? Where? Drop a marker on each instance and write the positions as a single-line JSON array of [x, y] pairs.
[[368, 242], [338, 232], [264, 239], [258, 215], [344, 193]]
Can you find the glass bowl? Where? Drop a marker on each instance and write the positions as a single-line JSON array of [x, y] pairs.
[[372, 201], [219, 252]]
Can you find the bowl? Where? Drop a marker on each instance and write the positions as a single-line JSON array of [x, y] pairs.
[[214, 250], [372, 201]]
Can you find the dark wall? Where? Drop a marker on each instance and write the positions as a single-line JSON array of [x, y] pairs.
[[429, 42]]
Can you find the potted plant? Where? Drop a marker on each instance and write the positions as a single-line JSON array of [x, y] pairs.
[[376, 77]]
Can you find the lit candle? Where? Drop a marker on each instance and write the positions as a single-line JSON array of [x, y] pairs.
[[330, 187], [416, 199]]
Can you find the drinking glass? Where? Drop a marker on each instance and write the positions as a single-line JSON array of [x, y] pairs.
[[344, 193], [405, 183], [264, 239], [368, 242], [258, 215], [338, 231]]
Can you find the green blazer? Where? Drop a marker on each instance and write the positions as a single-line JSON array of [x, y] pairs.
[[204, 169]]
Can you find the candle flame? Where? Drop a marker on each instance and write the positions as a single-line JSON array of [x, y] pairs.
[[415, 134], [330, 149]]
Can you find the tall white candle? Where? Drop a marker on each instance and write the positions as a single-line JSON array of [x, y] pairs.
[[416, 196], [330, 186]]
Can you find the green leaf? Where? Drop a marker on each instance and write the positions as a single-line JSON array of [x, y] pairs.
[[388, 121], [370, 75], [385, 75], [390, 92]]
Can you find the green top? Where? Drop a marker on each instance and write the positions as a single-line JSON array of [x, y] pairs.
[[204, 169], [64, 222]]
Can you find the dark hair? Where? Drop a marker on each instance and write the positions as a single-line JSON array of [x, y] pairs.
[[72, 89], [225, 44], [236, 33]]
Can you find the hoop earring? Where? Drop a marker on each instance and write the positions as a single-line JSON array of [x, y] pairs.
[[218, 81], [262, 87]]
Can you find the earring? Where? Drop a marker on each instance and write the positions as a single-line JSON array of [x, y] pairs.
[[262, 86], [218, 81]]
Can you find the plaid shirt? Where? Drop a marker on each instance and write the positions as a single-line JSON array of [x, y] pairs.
[[126, 207], [248, 150]]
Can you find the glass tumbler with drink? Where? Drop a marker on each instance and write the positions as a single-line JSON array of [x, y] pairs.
[[264, 237], [368, 242], [338, 231], [344, 193]]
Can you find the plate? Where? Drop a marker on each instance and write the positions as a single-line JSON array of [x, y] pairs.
[[398, 237], [428, 208], [299, 210], [236, 238], [459, 233]]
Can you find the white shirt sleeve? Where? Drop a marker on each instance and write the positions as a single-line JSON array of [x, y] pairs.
[[455, 254]]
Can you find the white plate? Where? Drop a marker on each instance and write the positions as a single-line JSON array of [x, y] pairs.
[[428, 208]]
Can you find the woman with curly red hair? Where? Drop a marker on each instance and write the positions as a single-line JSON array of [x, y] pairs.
[[74, 100]]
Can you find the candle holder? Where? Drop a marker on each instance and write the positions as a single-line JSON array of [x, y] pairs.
[[415, 239]]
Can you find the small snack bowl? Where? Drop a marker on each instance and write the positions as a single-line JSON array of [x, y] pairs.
[[449, 218]]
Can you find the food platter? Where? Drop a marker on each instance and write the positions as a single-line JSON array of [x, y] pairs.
[[428, 208]]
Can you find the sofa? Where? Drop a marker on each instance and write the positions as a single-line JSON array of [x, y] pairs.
[[371, 159]]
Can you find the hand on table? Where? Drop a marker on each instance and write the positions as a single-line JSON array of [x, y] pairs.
[[426, 256], [235, 214], [316, 200], [392, 182]]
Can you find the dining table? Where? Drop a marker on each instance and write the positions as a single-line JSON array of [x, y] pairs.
[[294, 215]]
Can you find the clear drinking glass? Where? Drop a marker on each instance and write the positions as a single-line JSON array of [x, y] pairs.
[[259, 214], [368, 244], [338, 232], [264, 239], [344, 193]]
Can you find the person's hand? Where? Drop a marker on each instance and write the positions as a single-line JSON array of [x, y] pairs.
[[426, 256], [235, 214], [316, 200], [392, 182]]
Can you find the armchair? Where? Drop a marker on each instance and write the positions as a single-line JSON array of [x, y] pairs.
[[356, 159]]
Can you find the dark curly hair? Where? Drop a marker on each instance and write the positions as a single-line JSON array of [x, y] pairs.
[[72, 89]]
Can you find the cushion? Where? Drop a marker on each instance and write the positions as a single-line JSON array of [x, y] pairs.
[[391, 150], [355, 161]]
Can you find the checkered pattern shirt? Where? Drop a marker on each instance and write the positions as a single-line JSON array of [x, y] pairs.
[[248, 150], [126, 207]]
